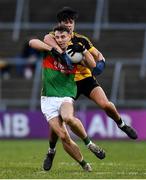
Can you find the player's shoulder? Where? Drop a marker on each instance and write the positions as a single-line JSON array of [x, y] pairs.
[[50, 32], [81, 36], [83, 39]]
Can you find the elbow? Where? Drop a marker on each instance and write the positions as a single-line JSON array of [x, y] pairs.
[[100, 56], [31, 42]]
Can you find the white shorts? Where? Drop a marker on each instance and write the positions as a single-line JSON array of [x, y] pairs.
[[50, 106]]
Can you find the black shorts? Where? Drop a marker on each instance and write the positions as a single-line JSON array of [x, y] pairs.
[[85, 86]]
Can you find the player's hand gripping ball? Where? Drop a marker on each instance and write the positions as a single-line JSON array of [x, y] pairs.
[[75, 52]]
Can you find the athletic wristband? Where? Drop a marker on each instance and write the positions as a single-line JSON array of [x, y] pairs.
[[100, 65]]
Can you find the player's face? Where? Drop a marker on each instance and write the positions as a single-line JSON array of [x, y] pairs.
[[69, 24], [62, 38]]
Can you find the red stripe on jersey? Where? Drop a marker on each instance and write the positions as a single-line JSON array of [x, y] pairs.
[[51, 63], [48, 62]]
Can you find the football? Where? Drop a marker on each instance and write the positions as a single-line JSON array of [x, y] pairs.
[[76, 58]]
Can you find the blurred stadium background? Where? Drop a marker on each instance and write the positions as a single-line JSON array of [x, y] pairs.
[[116, 27]]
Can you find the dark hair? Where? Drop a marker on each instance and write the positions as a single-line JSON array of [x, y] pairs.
[[61, 28], [67, 13]]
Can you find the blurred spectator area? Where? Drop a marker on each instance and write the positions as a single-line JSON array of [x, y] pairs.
[[113, 42], [116, 27]]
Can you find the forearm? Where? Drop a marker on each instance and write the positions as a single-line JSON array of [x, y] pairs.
[[97, 55], [89, 60], [39, 45], [49, 40]]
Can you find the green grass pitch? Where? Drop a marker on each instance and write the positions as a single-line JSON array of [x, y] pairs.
[[23, 159]]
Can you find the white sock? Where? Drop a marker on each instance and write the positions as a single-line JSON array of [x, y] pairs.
[[89, 144], [122, 124], [51, 150]]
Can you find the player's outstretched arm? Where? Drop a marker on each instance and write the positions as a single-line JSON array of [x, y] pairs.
[[39, 45]]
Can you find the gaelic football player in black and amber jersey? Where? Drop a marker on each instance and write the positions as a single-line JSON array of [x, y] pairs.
[[85, 80]]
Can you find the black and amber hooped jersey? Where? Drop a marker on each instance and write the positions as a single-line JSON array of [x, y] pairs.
[[82, 71]]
